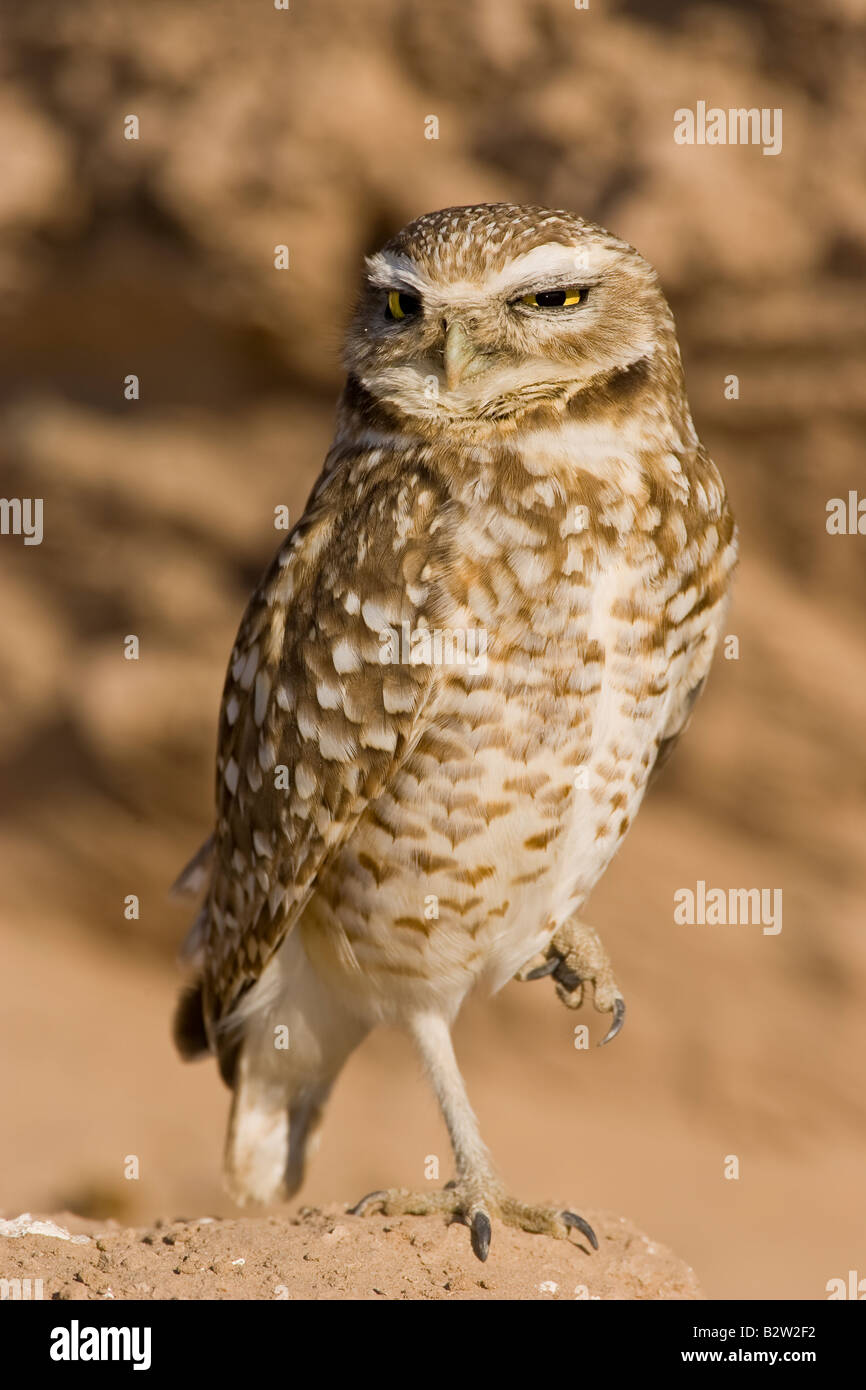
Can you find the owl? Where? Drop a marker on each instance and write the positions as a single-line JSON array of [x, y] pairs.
[[454, 682]]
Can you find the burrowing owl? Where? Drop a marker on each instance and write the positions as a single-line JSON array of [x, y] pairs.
[[451, 687]]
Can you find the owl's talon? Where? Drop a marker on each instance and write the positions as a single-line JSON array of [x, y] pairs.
[[473, 1202], [577, 1223], [565, 977], [481, 1233], [541, 971], [360, 1207], [576, 957], [618, 1021]]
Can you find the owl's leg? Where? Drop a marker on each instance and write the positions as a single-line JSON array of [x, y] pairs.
[[576, 957], [477, 1193]]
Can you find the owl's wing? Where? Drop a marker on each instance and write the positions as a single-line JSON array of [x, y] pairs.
[[316, 715], [677, 726], [714, 550]]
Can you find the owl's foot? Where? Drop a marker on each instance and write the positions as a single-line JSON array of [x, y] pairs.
[[473, 1205], [576, 957]]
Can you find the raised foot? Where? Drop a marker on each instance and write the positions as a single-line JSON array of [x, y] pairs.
[[474, 1207], [576, 957]]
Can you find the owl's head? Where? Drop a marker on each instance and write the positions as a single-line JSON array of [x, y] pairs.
[[480, 314]]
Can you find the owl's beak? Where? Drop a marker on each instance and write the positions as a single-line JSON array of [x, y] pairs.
[[459, 355]]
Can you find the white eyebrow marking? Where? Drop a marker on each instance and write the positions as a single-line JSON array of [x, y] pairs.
[[391, 270], [551, 262]]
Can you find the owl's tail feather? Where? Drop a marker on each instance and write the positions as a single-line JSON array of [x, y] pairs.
[[268, 1142], [188, 1029], [291, 1036]]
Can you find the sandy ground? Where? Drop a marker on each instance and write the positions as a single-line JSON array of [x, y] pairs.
[[327, 1254]]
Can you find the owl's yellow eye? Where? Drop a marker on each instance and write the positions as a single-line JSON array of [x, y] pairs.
[[555, 299], [401, 305]]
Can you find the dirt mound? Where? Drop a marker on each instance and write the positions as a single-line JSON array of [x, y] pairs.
[[327, 1254]]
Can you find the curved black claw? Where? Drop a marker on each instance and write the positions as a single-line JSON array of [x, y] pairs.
[[618, 1021], [481, 1233], [566, 977], [361, 1207], [577, 1222], [546, 969]]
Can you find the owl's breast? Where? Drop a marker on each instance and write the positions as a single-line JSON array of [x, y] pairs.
[[534, 753]]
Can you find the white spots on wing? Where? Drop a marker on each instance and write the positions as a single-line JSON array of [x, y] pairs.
[[262, 696], [513, 531], [403, 518], [250, 666], [254, 776], [619, 515], [714, 496], [285, 698], [335, 746], [282, 594], [548, 491], [232, 709], [230, 776], [305, 781], [701, 498], [345, 655], [328, 695], [728, 556], [677, 529], [708, 545], [267, 755], [308, 727], [381, 735], [398, 697], [276, 898], [262, 844], [277, 630], [377, 615], [678, 478]]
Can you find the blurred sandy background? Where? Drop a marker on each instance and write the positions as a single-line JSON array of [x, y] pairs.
[[155, 257]]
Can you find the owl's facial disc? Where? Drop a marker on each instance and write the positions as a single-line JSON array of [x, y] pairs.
[[467, 349]]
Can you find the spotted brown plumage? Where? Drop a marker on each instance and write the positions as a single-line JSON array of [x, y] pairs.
[[390, 831]]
